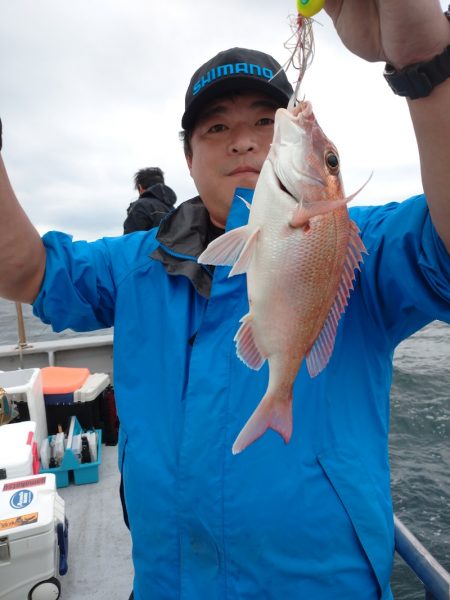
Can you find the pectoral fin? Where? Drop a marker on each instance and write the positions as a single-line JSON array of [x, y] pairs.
[[225, 250], [243, 262]]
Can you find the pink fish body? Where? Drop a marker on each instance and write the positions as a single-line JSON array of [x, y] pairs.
[[299, 251]]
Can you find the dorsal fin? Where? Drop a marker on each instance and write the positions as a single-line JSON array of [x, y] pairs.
[[319, 355]]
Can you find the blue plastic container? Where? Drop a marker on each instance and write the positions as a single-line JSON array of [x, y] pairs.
[[82, 472]]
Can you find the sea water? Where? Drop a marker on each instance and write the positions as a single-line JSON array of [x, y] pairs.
[[420, 446], [419, 438]]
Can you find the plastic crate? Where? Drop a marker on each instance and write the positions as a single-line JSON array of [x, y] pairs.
[[81, 472]]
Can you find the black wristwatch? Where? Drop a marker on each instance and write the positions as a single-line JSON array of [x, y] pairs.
[[420, 79]]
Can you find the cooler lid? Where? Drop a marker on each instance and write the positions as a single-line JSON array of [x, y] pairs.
[[16, 443], [27, 505], [63, 380]]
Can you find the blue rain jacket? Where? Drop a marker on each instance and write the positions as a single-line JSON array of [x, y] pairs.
[[308, 520]]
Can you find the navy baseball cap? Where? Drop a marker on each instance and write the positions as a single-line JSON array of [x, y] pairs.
[[232, 70]]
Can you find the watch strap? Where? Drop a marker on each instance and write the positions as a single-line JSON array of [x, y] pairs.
[[419, 80]]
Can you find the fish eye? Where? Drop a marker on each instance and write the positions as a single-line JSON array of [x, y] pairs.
[[332, 162]]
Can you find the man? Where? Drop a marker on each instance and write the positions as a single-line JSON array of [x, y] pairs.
[[312, 519], [155, 200]]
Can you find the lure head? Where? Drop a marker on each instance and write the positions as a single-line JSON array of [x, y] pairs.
[[309, 8]]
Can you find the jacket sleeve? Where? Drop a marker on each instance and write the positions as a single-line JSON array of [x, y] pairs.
[[405, 279], [78, 291]]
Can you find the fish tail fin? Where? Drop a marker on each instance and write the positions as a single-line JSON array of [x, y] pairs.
[[271, 413]]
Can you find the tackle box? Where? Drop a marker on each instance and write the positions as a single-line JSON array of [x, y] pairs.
[[72, 391], [19, 454], [33, 538], [71, 467], [24, 388]]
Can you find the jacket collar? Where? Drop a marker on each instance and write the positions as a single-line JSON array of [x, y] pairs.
[[185, 232], [182, 237]]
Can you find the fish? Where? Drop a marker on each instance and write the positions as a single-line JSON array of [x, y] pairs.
[[300, 251]]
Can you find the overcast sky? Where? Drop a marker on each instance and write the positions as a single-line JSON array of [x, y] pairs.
[[93, 90]]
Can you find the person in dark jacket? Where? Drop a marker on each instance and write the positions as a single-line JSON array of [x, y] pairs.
[[155, 200]]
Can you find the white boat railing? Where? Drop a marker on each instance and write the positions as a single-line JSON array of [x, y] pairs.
[[93, 351], [435, 579]]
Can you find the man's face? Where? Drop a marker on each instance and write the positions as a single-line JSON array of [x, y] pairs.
[[230, 142]]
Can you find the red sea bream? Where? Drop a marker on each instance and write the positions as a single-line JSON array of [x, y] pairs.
[[299, 250]]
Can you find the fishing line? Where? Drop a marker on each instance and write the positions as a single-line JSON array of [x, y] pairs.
[[300, 44]]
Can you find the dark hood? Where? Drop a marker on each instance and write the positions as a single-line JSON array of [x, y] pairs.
[[162, 192], [183, 235]]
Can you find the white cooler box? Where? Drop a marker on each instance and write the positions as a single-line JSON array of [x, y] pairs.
[[24, 388], [33, 538], [19, 454]]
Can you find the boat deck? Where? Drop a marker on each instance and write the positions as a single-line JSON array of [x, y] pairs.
[[100, 566]]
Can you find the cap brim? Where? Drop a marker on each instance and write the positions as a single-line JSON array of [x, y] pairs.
[[225, 86]]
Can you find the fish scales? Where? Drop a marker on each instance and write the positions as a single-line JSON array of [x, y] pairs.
[[308, 265]]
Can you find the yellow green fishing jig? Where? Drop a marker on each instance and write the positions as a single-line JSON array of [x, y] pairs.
[[309, 8]]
